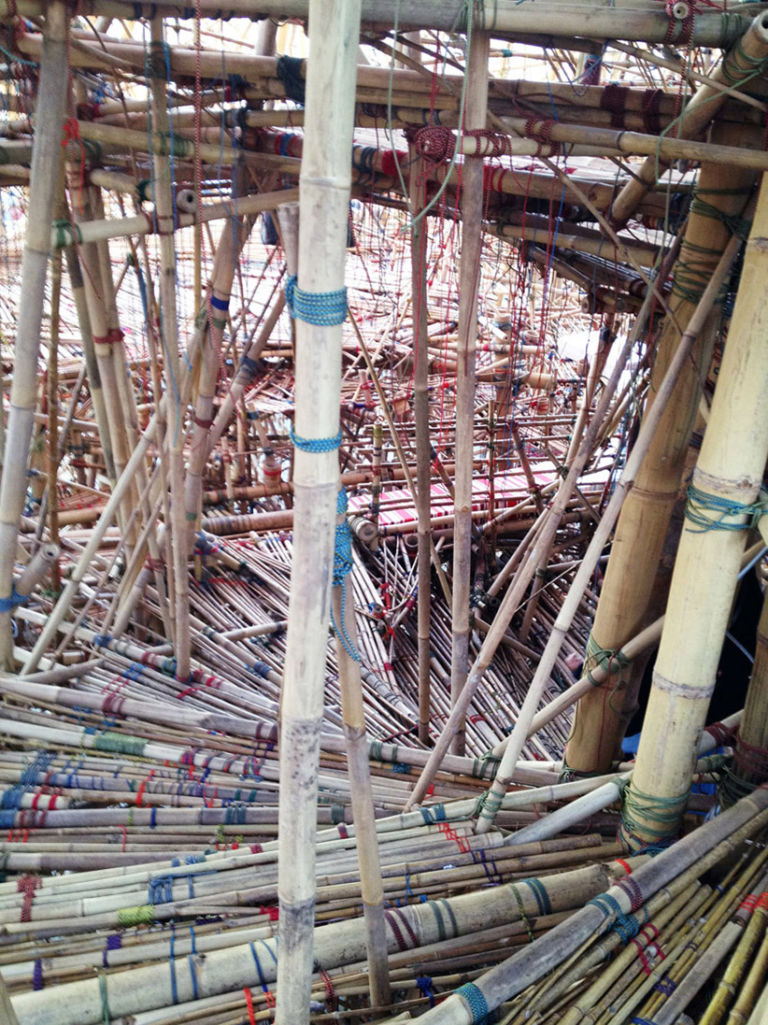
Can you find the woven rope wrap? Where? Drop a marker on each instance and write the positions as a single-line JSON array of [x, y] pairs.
[[476, 1001], [323, 309]]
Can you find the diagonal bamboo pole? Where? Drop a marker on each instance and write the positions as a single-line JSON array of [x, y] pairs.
[[599, 539], [45, 172], [372, 891], [722, 502], [324, 196], [469, 282]]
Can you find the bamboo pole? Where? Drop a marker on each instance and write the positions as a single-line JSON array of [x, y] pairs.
[[45, 172], [750, 766], [728, 472], [324, 198], [564, 19], [565, 617], [706, 845], [475, 112], [372, 891], [417, 188], [175, 435], [627, 587]]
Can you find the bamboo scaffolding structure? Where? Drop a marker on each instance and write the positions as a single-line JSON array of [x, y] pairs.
[[624, 598], [650, 424]]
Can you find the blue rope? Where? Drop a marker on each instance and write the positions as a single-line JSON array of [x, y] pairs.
[[323, 309], [315, 444], [424, 982], [7, 604], [477, 1002]]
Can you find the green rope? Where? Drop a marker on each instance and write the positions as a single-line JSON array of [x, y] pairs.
[[738, 226], [612, 660], [639, 807], [171, 145], [67, 234], [746, 67], [119, 743], [142, 914], [700, 503], [692, 275]]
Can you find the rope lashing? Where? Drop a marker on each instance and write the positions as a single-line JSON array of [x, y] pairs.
[[611, 660], [66, 234], [342, 566], [315, 444], [724, 510], [477, 1003], [626, 926], [639, 808], [322, 309]]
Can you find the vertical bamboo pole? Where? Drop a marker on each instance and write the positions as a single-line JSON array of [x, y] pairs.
[[49, 118], [334, 28], [466, 342], [417, 184], [726, 483], [622, 610], [164, 212]]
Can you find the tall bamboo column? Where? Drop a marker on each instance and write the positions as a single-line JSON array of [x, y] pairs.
[[725, 486], [49, 118], [164, 212], [642, 527], [466, 342], [334, 27], [417, 187]]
